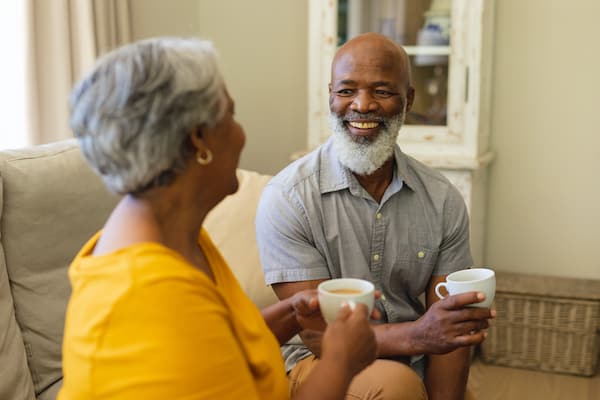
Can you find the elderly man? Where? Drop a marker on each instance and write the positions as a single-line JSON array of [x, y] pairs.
[[358, 207]]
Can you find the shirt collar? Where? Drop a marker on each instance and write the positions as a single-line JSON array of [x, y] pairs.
[[402, 170], [334, 176]]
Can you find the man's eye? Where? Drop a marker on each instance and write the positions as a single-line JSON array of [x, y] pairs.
[[383, 93], [345, 92]]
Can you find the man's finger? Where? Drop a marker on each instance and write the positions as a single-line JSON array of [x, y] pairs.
[[472, 314], [463, 299], [471, 339]]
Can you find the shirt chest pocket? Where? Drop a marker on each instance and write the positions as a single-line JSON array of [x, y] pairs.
[[423, 256], [411, 270]]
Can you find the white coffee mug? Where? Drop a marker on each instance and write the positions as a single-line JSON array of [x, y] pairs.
[[334, 292], [470, 280]]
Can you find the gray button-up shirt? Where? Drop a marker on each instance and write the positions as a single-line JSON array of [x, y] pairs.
[[315, 221]]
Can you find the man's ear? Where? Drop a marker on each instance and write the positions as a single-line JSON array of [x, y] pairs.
[[410, 98]]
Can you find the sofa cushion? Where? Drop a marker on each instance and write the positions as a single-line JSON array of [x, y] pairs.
[[15, 380], [231, 227], [52, 203]]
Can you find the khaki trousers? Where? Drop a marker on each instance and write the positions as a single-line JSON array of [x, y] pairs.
[[384, 379]]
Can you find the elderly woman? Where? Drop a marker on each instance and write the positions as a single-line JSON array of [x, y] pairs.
[[155, 312]]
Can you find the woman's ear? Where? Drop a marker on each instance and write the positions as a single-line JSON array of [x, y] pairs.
[[196, 138], [203, 154]]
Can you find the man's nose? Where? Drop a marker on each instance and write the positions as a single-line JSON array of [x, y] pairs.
[[363, 103]]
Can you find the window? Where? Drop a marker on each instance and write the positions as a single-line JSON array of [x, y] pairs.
[[13, 73]]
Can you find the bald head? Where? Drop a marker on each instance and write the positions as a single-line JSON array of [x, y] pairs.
[[377, 50]]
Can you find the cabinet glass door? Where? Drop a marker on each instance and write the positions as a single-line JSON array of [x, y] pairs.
[[443, 39]]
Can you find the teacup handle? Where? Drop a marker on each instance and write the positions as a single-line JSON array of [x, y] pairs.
[[437, 289]]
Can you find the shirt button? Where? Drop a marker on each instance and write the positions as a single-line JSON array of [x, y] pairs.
[[420, 254], [378, 216], [376, 257]]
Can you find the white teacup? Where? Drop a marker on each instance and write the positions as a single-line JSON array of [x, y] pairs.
[[334, 292], [470, 280]]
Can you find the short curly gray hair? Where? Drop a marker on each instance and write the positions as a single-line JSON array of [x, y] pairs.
[[134, 112]]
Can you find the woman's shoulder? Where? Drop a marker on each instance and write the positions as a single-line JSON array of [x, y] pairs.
[[140, 266], [154, 263]]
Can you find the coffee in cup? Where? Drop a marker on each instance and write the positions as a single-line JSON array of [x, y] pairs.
[[334, 292], [470, 280]]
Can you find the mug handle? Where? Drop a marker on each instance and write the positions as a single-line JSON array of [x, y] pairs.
[[437, 289]]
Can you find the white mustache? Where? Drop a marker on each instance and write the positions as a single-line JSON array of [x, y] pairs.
[[355, 116], [364, 155]]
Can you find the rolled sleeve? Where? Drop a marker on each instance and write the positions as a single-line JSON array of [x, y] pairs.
[[455, 250], [285, 241]]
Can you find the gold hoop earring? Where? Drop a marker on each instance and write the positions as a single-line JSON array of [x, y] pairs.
[[204, 157]]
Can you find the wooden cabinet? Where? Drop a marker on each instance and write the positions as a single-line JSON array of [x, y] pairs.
[[450, 46]]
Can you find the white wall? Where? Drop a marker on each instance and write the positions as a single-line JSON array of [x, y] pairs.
[[544, 187], [263, 48], [163, 17]]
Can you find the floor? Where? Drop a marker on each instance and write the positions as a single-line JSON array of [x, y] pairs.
[[488, 382]]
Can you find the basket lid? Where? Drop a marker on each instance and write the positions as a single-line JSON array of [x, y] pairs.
[[544, 285]]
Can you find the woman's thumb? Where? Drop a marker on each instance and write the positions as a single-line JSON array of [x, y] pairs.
[[344, 312]]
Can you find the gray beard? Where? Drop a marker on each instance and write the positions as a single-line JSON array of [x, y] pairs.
[[364, 157]]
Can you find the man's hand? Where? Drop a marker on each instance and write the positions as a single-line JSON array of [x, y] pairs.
[[306, 308], [449, 324]]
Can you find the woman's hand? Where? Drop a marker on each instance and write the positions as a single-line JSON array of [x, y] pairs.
[[350, 340], [349, 346]]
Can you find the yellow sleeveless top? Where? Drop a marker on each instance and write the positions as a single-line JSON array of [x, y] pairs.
[[142, 323]]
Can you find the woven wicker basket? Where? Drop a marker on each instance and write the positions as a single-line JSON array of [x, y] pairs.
[[550, 328]]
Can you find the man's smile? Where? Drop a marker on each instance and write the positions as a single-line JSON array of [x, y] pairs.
[[364, 129], [363, 125]]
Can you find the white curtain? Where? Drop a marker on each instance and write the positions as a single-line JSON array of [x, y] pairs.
[[65, 37]]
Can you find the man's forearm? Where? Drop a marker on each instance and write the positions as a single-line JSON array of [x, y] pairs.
[[398, 339], [446, 375]]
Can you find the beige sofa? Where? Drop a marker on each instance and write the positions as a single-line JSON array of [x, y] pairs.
[[50, 204]]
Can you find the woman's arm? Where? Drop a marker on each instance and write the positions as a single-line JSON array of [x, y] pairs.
[[348, 347], [348, 344]]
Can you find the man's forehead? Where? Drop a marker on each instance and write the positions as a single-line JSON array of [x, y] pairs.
[[365, 55], [371, 70], [367, 61]]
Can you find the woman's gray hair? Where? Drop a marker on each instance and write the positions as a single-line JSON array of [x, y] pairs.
[[134, 112]]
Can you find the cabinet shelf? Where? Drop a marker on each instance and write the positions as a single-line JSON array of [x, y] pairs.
[[427, 50]]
